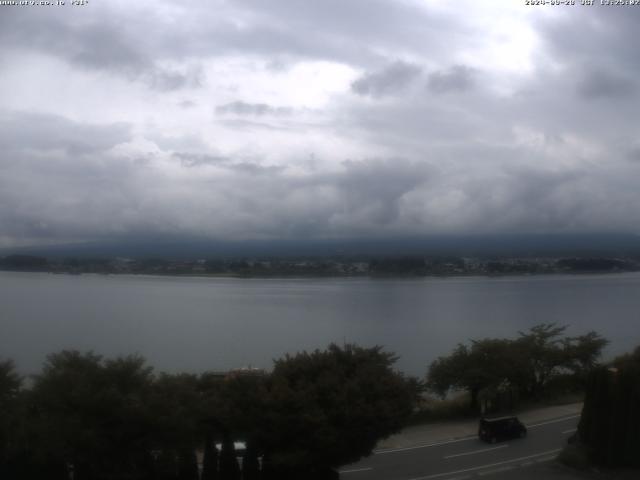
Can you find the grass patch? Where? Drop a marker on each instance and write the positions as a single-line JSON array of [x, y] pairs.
[[433, 409], [456, 407]]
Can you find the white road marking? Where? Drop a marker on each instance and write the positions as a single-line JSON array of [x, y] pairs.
[[476, 451], [545, 459], [496, 470], [393, 450], [570, 431], [354, 470], [481, 467], [558, 420]]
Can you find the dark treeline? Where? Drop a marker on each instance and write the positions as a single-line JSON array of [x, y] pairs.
[[99, 419], [499, 373], [322, 266]]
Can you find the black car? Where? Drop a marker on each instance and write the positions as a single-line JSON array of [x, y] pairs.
[[493, 429]]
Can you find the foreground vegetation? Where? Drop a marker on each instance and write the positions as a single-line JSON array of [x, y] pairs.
[[115, 419], [609, 430], [498, 374], [543, 364]]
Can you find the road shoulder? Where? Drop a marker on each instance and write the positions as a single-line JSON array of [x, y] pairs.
[[442, 432]]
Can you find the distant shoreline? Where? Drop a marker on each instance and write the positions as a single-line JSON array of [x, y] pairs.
[[325, 267], [325, 276]]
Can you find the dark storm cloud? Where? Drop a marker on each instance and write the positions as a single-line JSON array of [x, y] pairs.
[[584, 80], [100, 46], [456, 79], [58, 180], [534, 199], [540, 140], [191, 160], [372, 190], [92, 43], [388, 81], [100, 43], [252, 109], [197, 160], [243, 124], [596, 50], [41, 132], [351, 32], [598, 84], [633, 154], [53, 197], [167, 80], [46, 193], [251, 168], [602, 36]]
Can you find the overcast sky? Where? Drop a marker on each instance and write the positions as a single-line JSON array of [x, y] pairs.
[[251, 119]]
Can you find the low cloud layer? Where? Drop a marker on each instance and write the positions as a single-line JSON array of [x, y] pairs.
[[596, 84], [230, 120], [456, 79], [244, 108], [388, 81]]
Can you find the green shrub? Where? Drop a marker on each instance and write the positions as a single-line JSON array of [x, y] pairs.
[[433, 409]]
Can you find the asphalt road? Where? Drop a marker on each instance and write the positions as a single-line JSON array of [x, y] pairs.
[[467, 457]]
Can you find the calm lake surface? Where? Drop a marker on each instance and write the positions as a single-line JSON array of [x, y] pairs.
[[197, 324]]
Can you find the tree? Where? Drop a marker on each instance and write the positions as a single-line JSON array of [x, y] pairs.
[[128, 425], [10, 383], [210, 460], [175, 404], [582, 352], [233, 407], [67, 399], [167, 465], [236, 405], [549, 356], [486, 365], [188, 465], [92, 414], [447, 373], [229, 468], [542, 347], [329, 408], [250, 463], [610, 422], [523, 366]]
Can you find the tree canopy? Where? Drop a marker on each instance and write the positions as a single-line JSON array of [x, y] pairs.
[[525, 364], [349, 397], [117, 419], [609, 426]]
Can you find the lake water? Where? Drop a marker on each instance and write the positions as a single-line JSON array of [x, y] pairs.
[[197, 324]]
